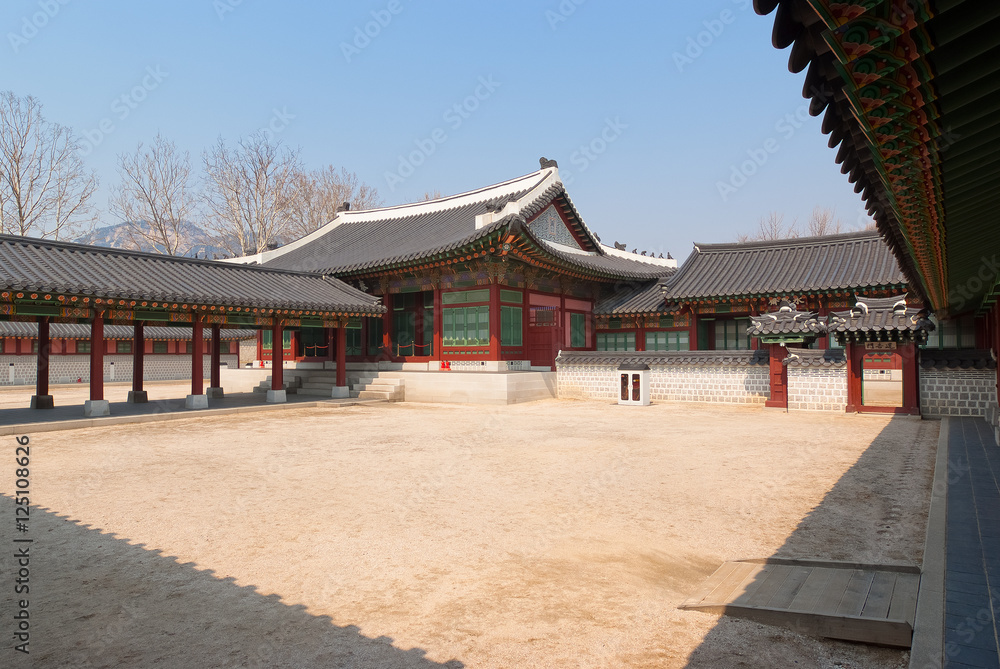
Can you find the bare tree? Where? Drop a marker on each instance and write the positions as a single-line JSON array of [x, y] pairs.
[[436, 195], [155, 199], [318, 194], [249, 191], [45, 190], [822, 222], [771, 227]]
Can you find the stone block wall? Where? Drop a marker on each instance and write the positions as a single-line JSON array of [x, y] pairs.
[[69, 368], [679, 377], [817, 388], [958, 392]]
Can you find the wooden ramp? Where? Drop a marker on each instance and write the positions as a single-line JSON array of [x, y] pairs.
[[839, 600]]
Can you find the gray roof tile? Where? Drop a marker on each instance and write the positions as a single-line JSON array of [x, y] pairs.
[[848, 261], [661, 358], [887, 314], [38, 265]]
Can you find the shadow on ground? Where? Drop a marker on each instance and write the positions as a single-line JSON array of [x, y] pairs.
[[892, 481], [99, 601]]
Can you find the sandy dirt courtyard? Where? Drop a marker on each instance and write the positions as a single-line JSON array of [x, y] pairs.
[[551, 534]]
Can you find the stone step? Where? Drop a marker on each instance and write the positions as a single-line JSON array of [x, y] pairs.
[[390, 396], [318, 385], [318, 392]]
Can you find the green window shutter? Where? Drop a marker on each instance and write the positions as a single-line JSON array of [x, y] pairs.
[[577, 330], [158, 347], [265, 338], [484, 326], [511, 297], [510, 326], [286, 339]]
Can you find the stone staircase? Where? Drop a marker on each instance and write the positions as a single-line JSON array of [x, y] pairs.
[[291, 385], [377, 386], [320, 384]]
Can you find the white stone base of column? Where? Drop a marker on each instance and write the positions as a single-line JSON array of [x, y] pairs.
[[340, 392], [196, 402], [215, 393], [137, 397], [42, 402], [94, 408], [276, 396]]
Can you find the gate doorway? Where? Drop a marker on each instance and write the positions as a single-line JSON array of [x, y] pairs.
[[882, 379], [543, 335]]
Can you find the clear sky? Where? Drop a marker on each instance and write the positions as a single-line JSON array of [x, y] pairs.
[[673, 122]]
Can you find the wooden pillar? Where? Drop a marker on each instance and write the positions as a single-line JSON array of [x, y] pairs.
[[277, 356], [693, 331], [42, 399], [494, 321], [438, 325], [97, 405], [197, 363], [342, 355], [855, 355], [137, 395], [387, 326], [97, 357], [640, 333], [215, 373]]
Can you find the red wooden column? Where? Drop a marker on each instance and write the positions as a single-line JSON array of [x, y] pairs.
[[41, 398], [855, 356], [197, 399], [494, 321], [387, 325], [640, 333], [97, 405], [276, 395], [438, 340], [341, 360], [215, 384], [137, 395], [693, 331]]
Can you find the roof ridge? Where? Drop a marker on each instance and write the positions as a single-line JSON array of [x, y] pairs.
[[814, 240], [163, 257]]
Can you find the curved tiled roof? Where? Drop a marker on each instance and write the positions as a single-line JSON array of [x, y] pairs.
[[372, 239], [636, 298], [950, 358], [809, 357], [82, 331], [37, 265], [856, 260], [882, 315], [787, 321]]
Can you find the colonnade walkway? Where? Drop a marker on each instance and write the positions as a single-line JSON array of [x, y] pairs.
[[166, 402]]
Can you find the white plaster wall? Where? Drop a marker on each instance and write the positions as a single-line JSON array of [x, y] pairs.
[[69, 368]]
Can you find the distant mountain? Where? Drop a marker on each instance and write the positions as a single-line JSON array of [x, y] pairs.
[[116, 236]]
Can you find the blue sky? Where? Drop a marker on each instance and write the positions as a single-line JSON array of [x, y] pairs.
[[672, 122]]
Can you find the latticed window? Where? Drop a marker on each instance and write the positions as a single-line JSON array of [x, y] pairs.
[[732, 335], [956, 333], [123, 346], [466, 326], [668, 341], [159, 347], [615, 341], [83, 346]]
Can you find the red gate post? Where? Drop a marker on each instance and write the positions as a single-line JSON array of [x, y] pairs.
[[197, 399], [41, 399], [276, 395], [778, 373], [137, 395], [97, 405], [215, 385]]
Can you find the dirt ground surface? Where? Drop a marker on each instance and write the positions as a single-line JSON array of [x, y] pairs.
[[551, 534]]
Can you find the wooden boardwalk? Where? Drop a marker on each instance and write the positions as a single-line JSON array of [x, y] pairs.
[[839, 600]]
